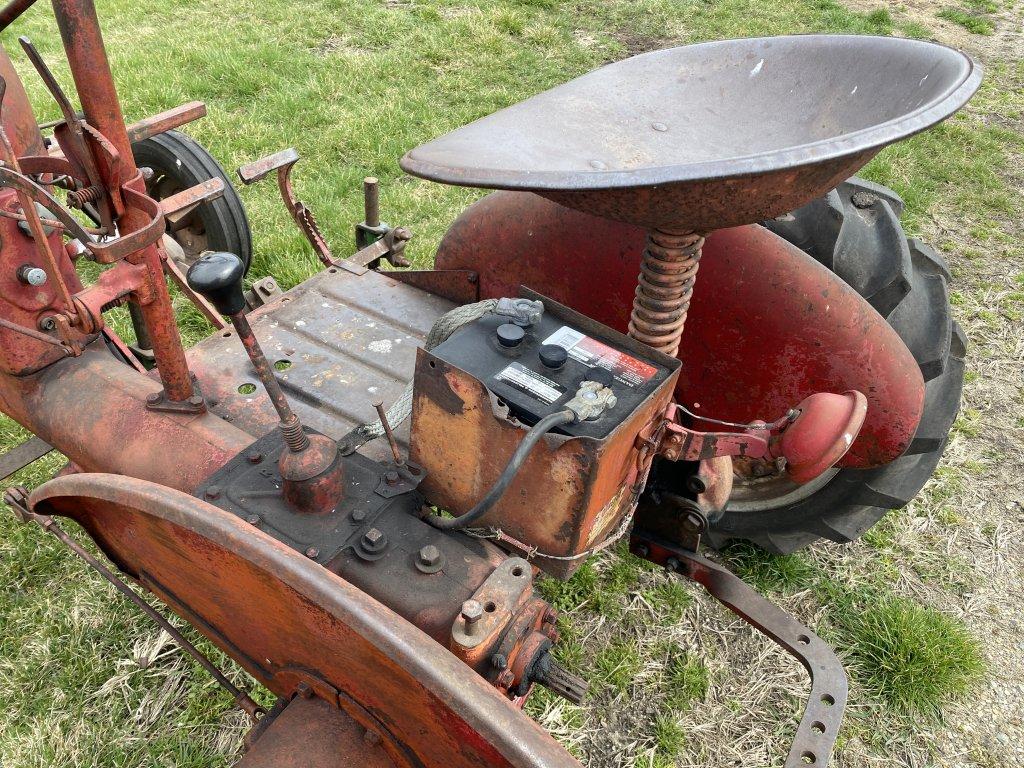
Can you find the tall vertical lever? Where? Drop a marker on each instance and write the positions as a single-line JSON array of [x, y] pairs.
[[310, 468]]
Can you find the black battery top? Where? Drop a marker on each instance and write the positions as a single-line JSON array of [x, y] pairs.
[[538, 368]]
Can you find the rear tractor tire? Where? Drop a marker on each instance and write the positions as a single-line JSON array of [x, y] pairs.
[[855, 232]]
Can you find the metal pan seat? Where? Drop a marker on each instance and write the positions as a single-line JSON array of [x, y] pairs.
[[710, 135]]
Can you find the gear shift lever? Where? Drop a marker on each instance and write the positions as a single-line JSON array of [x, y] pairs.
[[310, 467]]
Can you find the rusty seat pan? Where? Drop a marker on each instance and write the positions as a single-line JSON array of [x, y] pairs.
[[709, 135]]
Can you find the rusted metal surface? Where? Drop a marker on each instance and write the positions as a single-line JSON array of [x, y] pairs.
[[345, 341], [187, 199], [767, 327], [13, 10], [584, 486], [282, 162], [312, 733], [672, 138], [819, 725], [167, 120], [28, 306], [19, 121], [141, 223], [282, 617], [18, 499], [93, 410], [668, 270], [459, 286], [21, 455]]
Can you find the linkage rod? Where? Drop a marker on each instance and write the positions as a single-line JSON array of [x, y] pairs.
[[18, 498]]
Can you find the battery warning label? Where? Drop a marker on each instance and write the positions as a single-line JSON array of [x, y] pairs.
[[531, 382], [626, 369]]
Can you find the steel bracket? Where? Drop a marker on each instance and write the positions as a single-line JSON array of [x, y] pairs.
[[819, 727]]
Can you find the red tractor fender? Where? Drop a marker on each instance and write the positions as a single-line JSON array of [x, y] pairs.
[[767, 326]]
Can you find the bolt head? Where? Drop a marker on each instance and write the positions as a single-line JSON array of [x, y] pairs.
[[153, 398], [213, 492], [472, 611], [359, 515], [253, 519], [373, 541], [312, 552], [35, 276], [430, 555], [254, 457]]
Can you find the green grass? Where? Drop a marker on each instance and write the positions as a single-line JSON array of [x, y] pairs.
[[911, 657], [969, 21], [353, 84]]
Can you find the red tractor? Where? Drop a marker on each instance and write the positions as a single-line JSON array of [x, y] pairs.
[[374, 567]]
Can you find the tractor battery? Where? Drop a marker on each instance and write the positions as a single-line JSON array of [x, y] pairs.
[[475, 396]]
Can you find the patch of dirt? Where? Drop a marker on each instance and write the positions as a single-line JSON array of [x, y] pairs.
[[1006, 42], [634, 42]]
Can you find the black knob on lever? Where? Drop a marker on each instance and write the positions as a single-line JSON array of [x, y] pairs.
[[313, 479], [217, 276]]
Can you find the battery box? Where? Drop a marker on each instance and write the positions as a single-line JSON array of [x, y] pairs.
[[476, 395], [536, 369]]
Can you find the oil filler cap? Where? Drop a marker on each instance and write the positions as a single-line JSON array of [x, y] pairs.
[[510, 335], [553, 356]]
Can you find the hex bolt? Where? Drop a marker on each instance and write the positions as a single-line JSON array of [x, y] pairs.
[[672, 565], [253, 519], [359, 515], [471, 613], [391, 477], [153, 398], [498, 661], [312, 553], [254, 457], [430, 556], [506, 678], [213, 492]]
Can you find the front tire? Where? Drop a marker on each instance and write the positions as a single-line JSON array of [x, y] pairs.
[[179, 162]]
